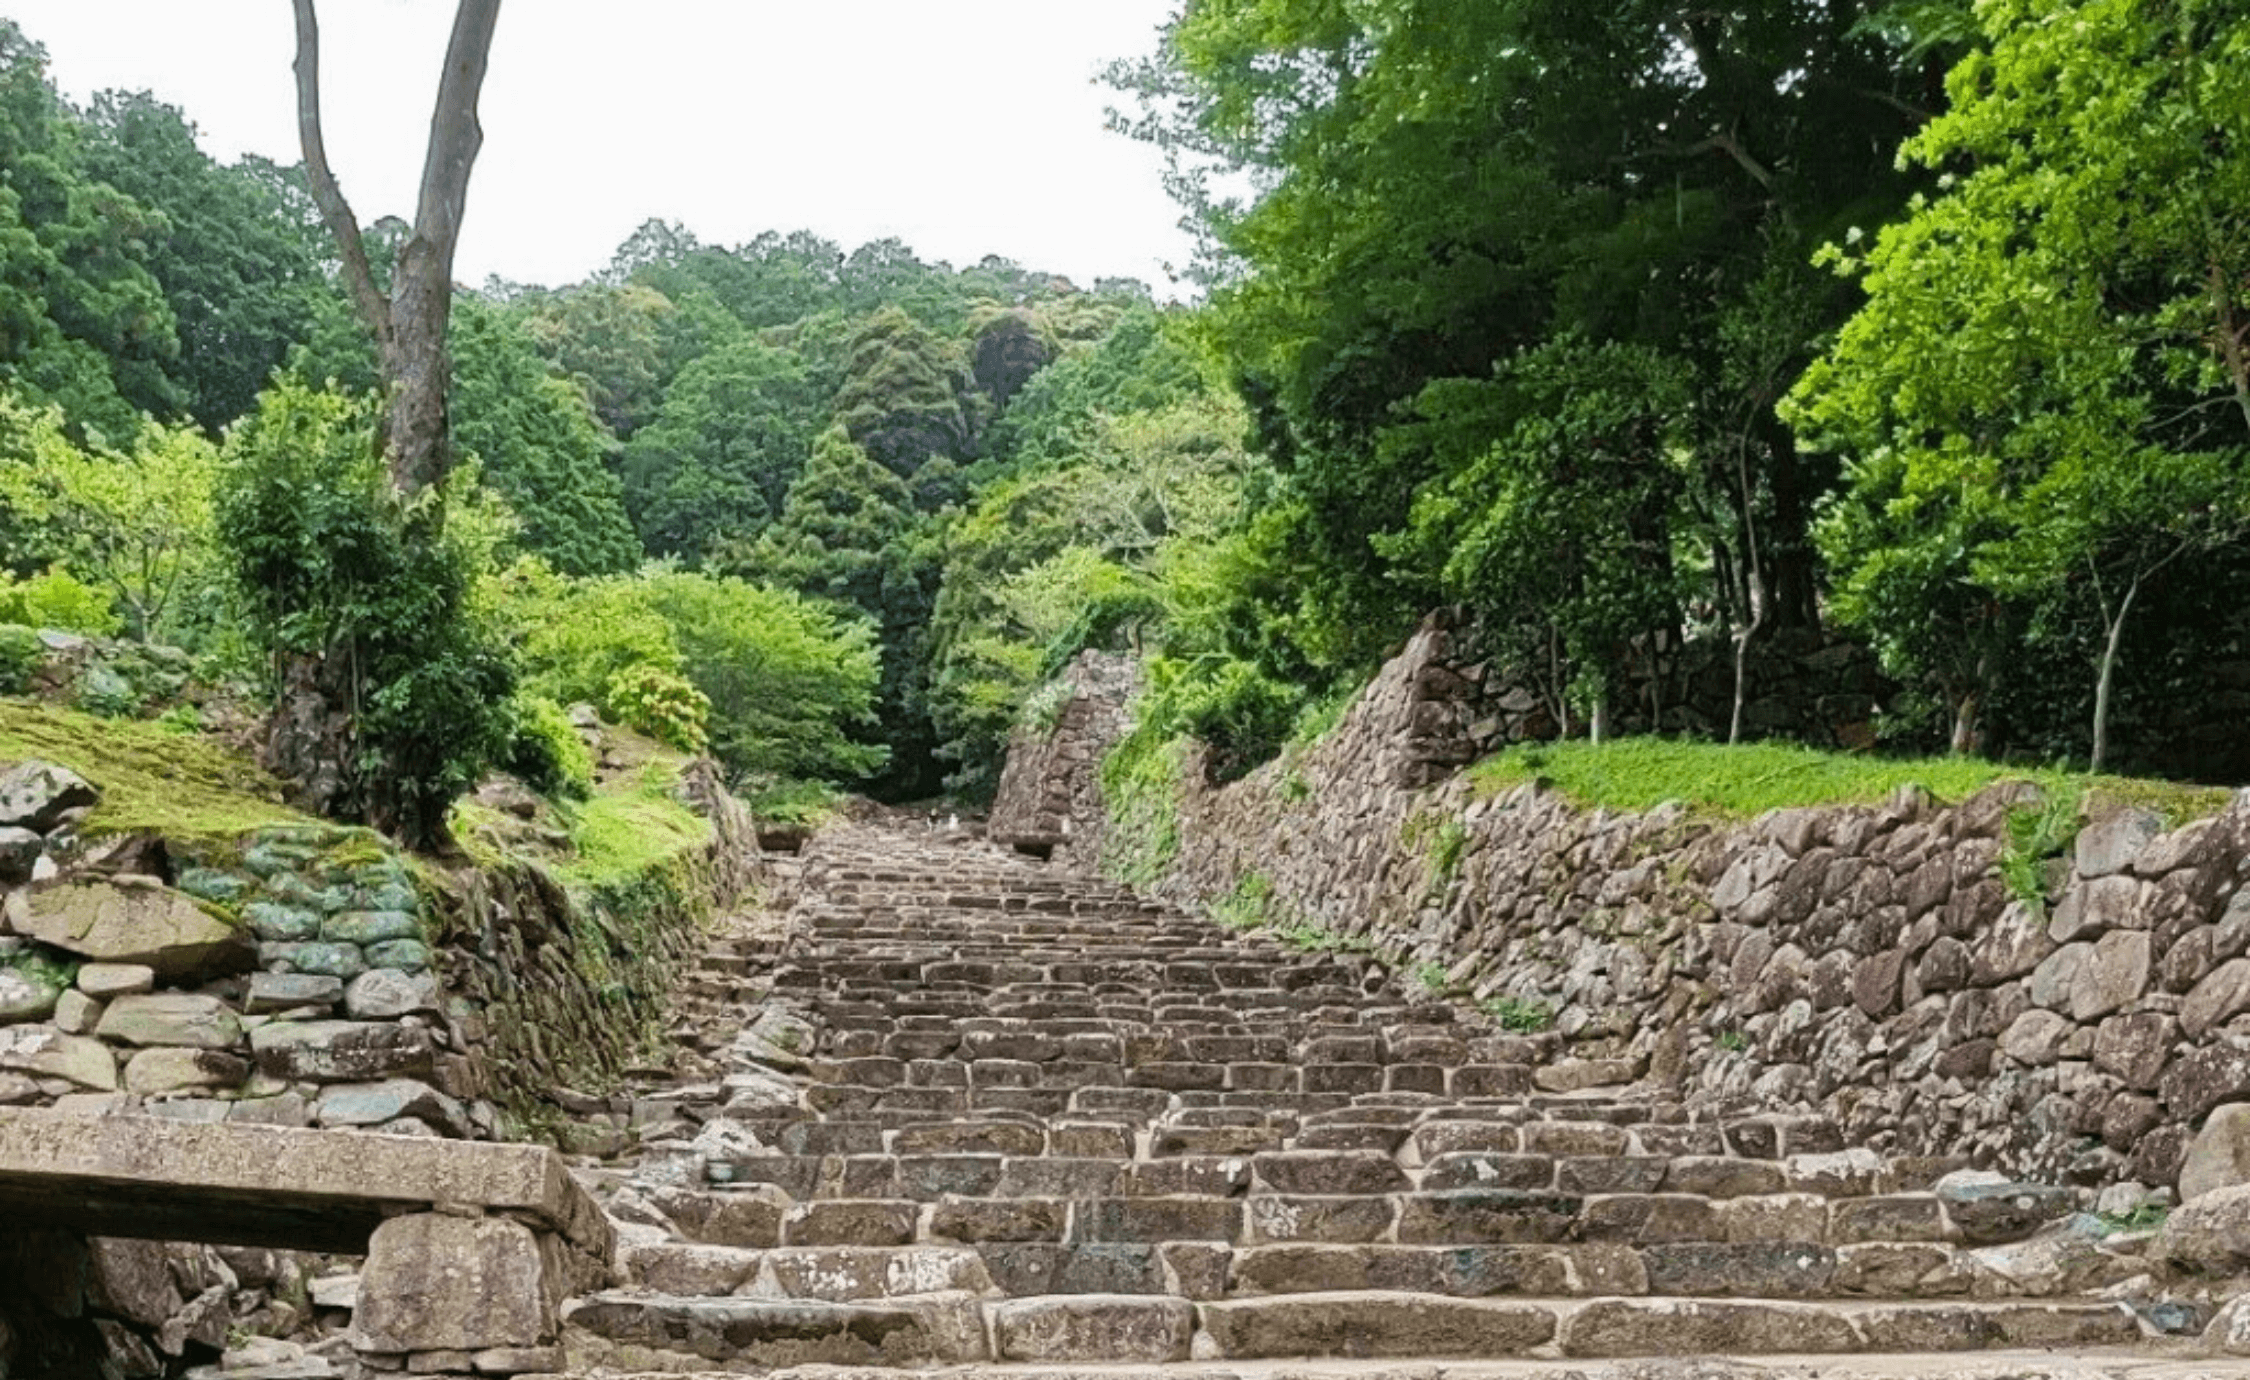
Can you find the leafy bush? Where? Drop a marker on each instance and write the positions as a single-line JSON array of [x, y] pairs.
[[1141, 792], [649, 699], [2035, 834], [546, 753], [362, 597], [56, 599], [1523, 1015], [765, 680], [1240, 712], [20, 655]]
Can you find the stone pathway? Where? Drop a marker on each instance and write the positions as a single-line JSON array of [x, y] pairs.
[[968, 1110]]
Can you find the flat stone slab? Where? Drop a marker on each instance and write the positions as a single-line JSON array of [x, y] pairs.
[[230, 1185]]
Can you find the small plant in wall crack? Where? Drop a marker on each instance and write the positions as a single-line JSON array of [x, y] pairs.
[[1523, 1015], [2037, 833], [1732, 1041]]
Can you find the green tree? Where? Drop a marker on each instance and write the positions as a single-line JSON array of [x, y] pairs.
[[906, 394], [137, 523], [83, 323], [1434, 188], [734, 431], [345, 580], [849, 534], [235, 255], [1554, 516], [2054, 358], [542, 448]]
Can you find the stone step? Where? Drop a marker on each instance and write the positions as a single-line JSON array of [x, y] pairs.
[[955, 1327], [847, 1198], [2007, 1364], [1027, 1247]]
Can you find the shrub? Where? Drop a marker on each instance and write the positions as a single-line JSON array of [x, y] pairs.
[[20, 655], [359, 597], [56, 599], [546, 753], [649, 699]]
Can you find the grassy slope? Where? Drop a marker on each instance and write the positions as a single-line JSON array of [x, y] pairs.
[[1748, 779], [152, 779]]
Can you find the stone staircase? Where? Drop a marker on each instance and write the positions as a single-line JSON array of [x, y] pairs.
[[976, 1111]]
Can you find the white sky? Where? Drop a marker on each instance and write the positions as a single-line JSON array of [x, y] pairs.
[[963, 127]]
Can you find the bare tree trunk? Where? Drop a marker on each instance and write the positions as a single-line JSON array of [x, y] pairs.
[[312, 737], [2107, 675], [410, 328]]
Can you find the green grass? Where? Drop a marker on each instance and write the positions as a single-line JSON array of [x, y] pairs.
[[1748, 779], [153, 779], [631, 826]]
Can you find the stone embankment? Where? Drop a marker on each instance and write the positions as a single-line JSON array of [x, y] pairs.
[[302, 976], [979, 1111], [1869, 964]]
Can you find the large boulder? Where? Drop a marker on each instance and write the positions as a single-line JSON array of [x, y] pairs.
[[37, 795], [2219, 1157], [127, 922]]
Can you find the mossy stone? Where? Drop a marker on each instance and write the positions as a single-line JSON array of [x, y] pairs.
[[389, 896], [293, 890], [406, 955], [210, 884], [278, 922], [323, 960], [270, 857], [371, 926]]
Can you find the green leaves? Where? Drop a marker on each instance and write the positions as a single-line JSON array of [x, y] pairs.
[[2046, 384]]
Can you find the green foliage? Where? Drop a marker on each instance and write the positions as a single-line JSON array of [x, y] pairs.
[[782, 801], [2046, 393], [86, 325], [334, 573], [238, 252], [20, 655], [630, 832], [1447, 843], [55, 599], [734, 430], [546, 753], [1522, 1015], [541, 446], [2037, 833], [138, 523], [1141, 795], [1732, 1041], [1552, 514], [1240, 712], [1429, 976], [1746, 780], [1248, 905], [769, 681], [665, 706]]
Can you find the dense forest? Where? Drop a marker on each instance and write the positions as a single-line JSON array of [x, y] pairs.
[[1923, 323]]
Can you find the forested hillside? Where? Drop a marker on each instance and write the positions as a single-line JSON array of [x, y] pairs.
[[1918, 324]]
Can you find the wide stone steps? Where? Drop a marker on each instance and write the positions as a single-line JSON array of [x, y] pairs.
[[1039, 1123], [959, 1328]]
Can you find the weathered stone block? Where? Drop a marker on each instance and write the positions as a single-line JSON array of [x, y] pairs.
[[436, 1282]]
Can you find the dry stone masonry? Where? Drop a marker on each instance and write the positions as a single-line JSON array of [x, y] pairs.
[[975, 1110]]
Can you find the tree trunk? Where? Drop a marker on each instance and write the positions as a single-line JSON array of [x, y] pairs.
[[312, 738], [410, 328], [2107, 675], [1792, 580]]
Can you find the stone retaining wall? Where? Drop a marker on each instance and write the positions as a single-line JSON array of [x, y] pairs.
[[311, 976], [1868, 961]]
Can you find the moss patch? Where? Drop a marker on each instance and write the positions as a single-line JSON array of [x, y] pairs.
[[153, 779], [631, 826], [1748, 779]]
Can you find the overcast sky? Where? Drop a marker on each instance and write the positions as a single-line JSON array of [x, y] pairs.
[[964, 127]]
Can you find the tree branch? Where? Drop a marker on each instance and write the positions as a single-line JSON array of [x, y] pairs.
[[1730, 146], [456, 135], [334, 210]]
